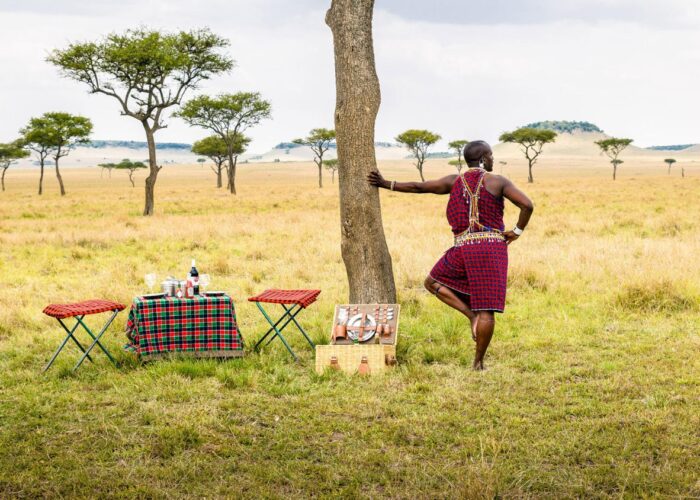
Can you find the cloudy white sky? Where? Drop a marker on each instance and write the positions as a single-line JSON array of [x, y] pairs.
[[463, 68]]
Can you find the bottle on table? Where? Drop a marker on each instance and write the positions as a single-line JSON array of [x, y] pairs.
[[193, 277]]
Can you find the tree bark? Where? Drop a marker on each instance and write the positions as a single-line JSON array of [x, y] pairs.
[[149, 206], [41, 177], [530, 178], [363, 244], [60, 179], [219, 181], [320, 171], [4, 170], [420, 172], [614, 171], [131, 178], [232, 162]]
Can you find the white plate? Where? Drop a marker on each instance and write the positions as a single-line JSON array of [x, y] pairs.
[[368, 333]]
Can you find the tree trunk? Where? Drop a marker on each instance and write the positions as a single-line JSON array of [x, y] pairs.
[[41, 177], [614, 171], [219, 181], [669, 170], [149, 206], [233, 160], [333, 176], [530, 178], [363, 245], [320, 171], [4, 170], [131, 178], [60, 179], [420, 171]]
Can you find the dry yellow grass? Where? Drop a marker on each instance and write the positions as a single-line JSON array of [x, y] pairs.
[[593, 380]]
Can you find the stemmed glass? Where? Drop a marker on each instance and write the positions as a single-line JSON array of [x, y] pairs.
[[204, 280], [150, 280]]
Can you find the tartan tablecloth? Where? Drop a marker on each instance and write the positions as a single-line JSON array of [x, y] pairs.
[[204, 326]]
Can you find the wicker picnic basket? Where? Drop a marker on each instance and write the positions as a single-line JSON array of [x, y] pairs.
[[378, 355]]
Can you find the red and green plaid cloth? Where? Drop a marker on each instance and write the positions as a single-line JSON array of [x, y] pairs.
[[202, 324]]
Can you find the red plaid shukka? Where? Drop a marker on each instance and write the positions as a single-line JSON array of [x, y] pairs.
[[478, 269]]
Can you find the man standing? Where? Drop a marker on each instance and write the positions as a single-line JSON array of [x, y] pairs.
[[471, 276]]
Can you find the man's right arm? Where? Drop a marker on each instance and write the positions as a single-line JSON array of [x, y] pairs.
[[437, 186]]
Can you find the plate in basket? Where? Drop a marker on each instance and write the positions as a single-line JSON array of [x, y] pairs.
[[369, 330], [153, 296], [215, 294]]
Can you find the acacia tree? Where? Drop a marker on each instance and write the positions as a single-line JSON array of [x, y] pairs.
[[531, 141], [458, 148], [37, 136], [363, 245], [67, 131], [319, 140], [9, 154], [418, 142], [670, 162], [128, 165], [147, 72], [612, 147], [214, 148], [228, 116], [332, 167]]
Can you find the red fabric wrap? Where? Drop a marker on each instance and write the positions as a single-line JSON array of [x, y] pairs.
[[478, 269], [302, 297], [95, 306]]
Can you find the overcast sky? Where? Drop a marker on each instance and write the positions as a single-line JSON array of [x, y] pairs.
[[462, 68]]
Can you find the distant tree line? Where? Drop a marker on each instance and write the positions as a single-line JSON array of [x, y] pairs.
[[565, 126], [136, 145]]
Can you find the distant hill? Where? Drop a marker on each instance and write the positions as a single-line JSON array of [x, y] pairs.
[[674, 147], [565, 126], [137, 145]]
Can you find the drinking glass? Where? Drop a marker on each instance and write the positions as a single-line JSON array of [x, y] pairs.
[[150, 279], [204, 280]]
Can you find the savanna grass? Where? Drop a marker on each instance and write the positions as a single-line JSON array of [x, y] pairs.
[[594, 372]]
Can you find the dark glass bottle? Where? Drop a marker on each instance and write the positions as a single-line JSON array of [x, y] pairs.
[[194, 276]]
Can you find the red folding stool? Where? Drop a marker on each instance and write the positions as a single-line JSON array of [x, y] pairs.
[[296, 300], [78, 311]]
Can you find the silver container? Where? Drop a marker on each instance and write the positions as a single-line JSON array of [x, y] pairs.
[[169, 287]]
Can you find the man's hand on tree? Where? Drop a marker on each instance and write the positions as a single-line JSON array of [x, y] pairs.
[[510, 237], [376, 179]]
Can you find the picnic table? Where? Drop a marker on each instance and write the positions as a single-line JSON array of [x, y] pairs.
[[203, 326]]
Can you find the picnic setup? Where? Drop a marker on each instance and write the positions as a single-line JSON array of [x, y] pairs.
[[184, 321]]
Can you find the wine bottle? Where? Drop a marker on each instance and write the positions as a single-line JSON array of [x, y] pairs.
[[194, 276]]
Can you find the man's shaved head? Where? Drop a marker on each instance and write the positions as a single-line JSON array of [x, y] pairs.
[[476, 150]]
